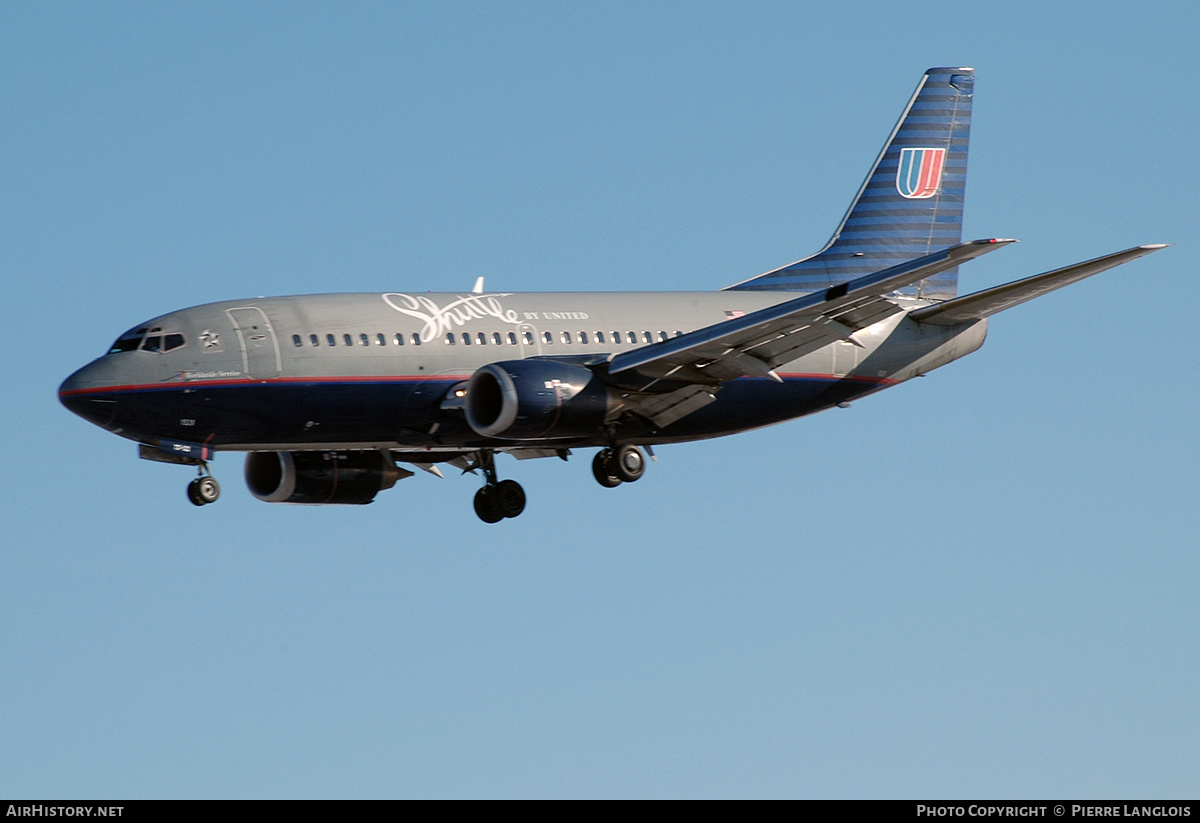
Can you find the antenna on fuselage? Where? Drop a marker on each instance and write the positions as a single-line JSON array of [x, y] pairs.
[[478, 286]]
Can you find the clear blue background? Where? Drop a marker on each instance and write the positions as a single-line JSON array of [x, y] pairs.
[[982, 583]]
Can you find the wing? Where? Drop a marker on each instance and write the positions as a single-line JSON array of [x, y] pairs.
[[758, 342]]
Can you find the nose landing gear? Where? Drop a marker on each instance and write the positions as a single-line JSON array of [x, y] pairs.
[[204, 489]]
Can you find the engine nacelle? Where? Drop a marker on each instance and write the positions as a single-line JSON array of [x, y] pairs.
[[527, 399], [317, 478]]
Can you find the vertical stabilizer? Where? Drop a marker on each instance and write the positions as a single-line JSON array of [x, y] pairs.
[[911, 203]]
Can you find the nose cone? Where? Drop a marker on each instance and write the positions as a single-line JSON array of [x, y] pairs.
[[89, 395]]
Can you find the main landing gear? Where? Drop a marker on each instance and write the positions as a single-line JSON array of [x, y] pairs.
[[498, 499], [204, 489], [622, 464]]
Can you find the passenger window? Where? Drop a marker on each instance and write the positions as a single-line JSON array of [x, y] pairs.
[[583, 337], [678, 333], [399, 339], [599, 337], [416, 339], [296, 341], [528, 337], [616, 337], [512, 338], [366, 341], [633, 337], [548, 337], [314, 340], [449, 338], [647, 336], [173, 341], [497, 339], [483, 338], [466, 338], [331, 340], [349, 341], [662, 337], [380, 339], [566, 336]]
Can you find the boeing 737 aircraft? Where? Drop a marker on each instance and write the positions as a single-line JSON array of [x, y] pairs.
[[330, 394]]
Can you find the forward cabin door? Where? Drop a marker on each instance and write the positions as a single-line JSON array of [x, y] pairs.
[[260, 348]]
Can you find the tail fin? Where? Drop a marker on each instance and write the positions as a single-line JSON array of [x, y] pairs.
[[911, 203]]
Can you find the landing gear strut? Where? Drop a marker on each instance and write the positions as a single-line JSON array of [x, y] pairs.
[[497, 499], [204, 489], [621, 464]]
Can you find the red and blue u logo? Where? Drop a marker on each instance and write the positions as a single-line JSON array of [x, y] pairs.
[[920, 172]]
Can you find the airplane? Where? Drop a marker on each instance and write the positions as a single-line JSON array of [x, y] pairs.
[[332, 395]]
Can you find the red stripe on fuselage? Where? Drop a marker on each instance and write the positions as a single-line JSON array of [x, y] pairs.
[[440, 378], [275, 381], [854, 378]]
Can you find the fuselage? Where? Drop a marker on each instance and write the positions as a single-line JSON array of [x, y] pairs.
[[383, 370]]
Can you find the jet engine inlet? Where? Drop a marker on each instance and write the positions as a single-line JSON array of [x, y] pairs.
[[527, 399]]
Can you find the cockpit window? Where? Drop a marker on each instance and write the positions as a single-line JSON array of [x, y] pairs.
[[148, 340], [128, 341]]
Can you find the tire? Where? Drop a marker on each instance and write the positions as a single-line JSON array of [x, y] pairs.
[[629, 464], [602, 469], [487, 506], [194, 494], [207, 489], [510, 497]]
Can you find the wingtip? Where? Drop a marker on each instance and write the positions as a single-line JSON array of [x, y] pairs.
[[1154, 246]]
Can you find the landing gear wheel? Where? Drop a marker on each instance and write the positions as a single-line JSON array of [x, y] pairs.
[[203, 490], [510, 497], [497, 499], [629, 463], [487, 505], [207, 489], [603, 469]]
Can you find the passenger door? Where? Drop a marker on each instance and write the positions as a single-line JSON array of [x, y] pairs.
[[260, 348]]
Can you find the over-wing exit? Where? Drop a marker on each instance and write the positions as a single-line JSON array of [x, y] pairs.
[[333, 396]]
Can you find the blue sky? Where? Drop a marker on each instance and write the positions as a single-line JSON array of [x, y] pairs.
[[980, 583]]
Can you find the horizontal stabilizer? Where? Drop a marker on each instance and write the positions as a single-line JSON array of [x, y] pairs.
[[990, 301]]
